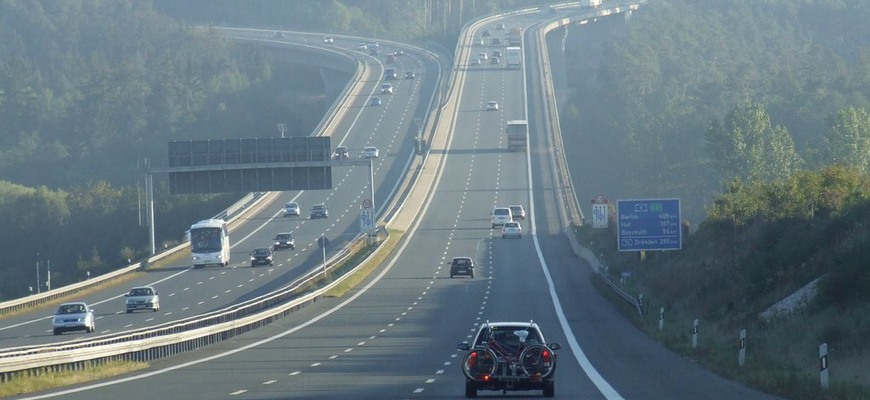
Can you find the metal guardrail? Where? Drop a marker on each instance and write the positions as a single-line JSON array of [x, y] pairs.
[[566, 185], [569, 197], [230, 214], [177, 336]]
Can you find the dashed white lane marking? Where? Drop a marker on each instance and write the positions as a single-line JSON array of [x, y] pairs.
[[238, 392], [294, 373], [418, 390], [270, 382]]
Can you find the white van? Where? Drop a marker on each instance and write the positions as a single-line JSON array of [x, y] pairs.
[[500, 216]]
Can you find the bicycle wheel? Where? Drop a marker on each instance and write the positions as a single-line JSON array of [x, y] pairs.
[[537, 360], [479, 364]]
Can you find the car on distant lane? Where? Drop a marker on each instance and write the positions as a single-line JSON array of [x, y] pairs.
[[284, 241], [462, 266], [75, 316], [370, 152], [319, 211], [511, 229], [517, 211], [262, 256], [142, 298], [291, 209]]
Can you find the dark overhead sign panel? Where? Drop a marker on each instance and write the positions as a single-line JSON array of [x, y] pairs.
[[249, 165]]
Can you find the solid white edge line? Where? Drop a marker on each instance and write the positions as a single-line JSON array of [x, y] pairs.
[[603, 386]]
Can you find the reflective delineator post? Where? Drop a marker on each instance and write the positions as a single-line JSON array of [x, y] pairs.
[[823, 365], [661, 318]]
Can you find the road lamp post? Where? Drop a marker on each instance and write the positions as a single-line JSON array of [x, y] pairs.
[[38, 285]]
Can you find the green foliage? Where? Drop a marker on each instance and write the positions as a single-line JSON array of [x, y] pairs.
[[746, 146], [93, 228], [847, 138], [405, 20], [762, 242], [647, 91], [91, 86]]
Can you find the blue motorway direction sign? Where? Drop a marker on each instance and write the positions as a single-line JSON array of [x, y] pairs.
[[649, 224]]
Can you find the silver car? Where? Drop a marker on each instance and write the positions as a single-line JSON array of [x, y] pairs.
[[75, 316], [511, 230], [291, 209], [370, 152], [142, 298]]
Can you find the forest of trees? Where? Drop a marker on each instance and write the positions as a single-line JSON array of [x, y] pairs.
[[698, 93], [88, 89]]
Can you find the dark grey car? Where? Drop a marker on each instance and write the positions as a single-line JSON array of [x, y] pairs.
[[462, 266], [319, 211]]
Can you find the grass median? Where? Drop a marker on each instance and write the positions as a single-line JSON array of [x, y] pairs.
[[53, 380]]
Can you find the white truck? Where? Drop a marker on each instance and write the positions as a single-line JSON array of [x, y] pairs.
[[513, 57], [517, 132], [590, 3]]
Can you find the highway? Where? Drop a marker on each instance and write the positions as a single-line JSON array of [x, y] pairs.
[[187, 292], [395, 336]]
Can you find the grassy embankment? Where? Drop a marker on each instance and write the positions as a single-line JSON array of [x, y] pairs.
[[697, 282]]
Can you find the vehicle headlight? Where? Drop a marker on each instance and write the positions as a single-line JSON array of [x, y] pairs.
[[195, 258], [253, 258]]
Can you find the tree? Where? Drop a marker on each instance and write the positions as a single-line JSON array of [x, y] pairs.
[[847, 138], [746, 146]]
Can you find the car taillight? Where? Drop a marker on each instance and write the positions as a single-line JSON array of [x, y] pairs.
[[546, 358]]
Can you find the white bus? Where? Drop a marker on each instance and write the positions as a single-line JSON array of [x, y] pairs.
[[210, 243]]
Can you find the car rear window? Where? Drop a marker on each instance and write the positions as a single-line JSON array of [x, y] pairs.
[[502, 211], [506, 336]]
